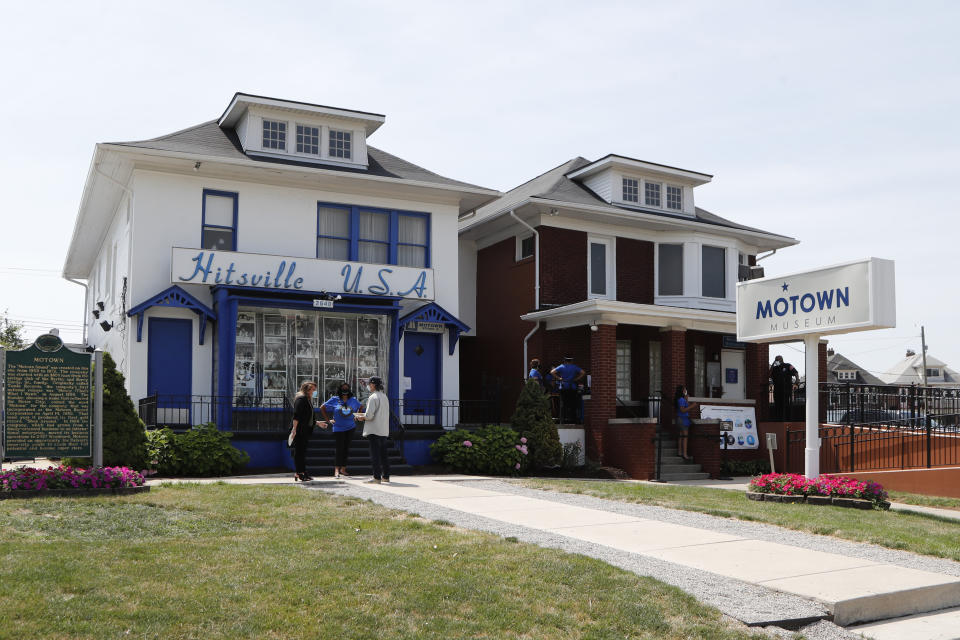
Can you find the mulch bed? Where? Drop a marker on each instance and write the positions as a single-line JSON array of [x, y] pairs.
[[69, 493], [850, 503]]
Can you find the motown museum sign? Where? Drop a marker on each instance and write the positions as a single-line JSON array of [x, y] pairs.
[[848, 297]]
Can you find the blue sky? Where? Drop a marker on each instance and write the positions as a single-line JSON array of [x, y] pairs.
[[835, 123]]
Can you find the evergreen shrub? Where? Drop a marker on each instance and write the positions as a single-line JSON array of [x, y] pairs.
[[533, 419]]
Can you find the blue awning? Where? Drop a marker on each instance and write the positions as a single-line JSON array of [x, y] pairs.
[[173, 297], [435, 313]]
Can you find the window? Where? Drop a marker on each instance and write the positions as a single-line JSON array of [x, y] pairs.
[[651, 191], [624, 368], [699, 370], [670, 267], [339, 144], [655, 370], [714, 272], [674, 197], [219, 221], [631, 190], [525, 247], [308, 139], [274, 135], [933, 373], [367, 234], [600, 268], [846, 375]]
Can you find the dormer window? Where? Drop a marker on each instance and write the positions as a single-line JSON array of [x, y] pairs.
[[274, 135], [631, 190], [308, 139], [651, 193], [674, 197], [846, 375], [339, 144], [933, 373]]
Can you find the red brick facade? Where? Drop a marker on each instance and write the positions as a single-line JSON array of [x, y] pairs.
[[603, 400], [634, 271], [758, 378], [673, 351], [563, 266]]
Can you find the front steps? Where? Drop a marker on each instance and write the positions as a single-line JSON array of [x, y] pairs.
[[674, 468]]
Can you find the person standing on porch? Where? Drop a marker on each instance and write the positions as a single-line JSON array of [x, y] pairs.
[[303, 422], [682, 404], [376, 428], [569, 375], [784, 377], [342, 406]]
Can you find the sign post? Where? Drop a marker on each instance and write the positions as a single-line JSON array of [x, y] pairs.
[[848, 297], [98, 409]]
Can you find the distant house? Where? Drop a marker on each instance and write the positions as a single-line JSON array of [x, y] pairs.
[[909, 371], [844, 370]]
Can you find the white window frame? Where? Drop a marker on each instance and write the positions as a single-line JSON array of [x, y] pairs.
[[726, 284], [846, 375], [611, 262], [655, 368], [286, 136], [656, 268], [699, 370], [659, 191], [624, 367], [519, 252], [349, 156], [666, 197], [305, 125], [623, 189]]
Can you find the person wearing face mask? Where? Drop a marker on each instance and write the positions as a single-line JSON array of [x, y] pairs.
[[303, 423], [342, 407], [784, 377], [376, 429]]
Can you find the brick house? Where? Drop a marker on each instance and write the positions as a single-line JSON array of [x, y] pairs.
[[612, 263]]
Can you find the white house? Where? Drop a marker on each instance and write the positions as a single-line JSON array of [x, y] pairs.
[[909, 370], [227, 262]]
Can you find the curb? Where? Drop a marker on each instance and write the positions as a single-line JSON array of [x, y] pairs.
[[850, 503], [70, 493]]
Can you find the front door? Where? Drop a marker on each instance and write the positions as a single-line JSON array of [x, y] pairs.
[[170, 368], [734, 371], [421, 370]]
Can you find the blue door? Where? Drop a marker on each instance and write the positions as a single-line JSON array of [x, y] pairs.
[[170, 368], [421, 364]]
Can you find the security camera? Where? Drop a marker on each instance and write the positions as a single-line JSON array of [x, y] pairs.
[[339, 297]]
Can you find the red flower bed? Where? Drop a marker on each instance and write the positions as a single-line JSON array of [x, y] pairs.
[[30, 479], [792, 484]]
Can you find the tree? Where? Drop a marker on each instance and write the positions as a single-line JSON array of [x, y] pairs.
[[534, 420], [11, 333], [124, 435]]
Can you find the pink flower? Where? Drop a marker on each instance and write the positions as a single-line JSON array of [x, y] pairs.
[[517, 466], [467, 443], [519, 447], [523, 440]]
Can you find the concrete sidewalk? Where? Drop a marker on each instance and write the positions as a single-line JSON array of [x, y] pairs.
[[854, 590]]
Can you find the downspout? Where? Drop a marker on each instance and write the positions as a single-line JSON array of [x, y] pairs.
[[84, 285], [536, 286], [764, 257]]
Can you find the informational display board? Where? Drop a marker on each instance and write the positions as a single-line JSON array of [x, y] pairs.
[[744, 419], [47, 401], [854, 296]]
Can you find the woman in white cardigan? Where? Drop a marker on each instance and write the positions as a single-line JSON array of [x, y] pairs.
[[376, 428]]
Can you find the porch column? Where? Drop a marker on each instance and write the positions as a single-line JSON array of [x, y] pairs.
[[824, 398], [758, 378], [673, 356], [603, 389]]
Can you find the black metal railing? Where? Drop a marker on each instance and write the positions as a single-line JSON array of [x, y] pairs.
[[445, 413], [240, 414]]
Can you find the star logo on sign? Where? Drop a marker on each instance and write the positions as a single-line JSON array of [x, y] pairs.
[[785, 286]]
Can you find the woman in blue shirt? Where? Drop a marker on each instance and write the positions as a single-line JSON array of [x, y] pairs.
[[683, 406], [342, 407]]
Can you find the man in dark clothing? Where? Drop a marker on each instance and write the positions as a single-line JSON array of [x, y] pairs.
[[784, 376], [569, 376]]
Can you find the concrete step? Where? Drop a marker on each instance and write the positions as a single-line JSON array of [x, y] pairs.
[[673, 477], [936, 625], [671, 460], [687, 467], [324, 471]]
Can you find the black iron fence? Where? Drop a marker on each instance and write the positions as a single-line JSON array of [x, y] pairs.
[[445, 413]]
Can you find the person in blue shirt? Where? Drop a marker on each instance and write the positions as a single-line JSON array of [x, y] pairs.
[[342, 407], [535, 371], [683, 406], [569, 376]]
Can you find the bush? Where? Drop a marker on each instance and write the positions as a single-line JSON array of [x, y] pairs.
[[745, 467], [534, 420], [124, 437], [792, 484], [201, 451], [492, 450], [571, 456], [27, 478]]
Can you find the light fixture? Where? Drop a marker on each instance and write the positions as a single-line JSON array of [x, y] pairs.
[[106, 326], [196, 167], [101, 305], [96, 313], [594, 327], [339, 297]]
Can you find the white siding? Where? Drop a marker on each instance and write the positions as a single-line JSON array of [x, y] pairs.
[[602, 184]]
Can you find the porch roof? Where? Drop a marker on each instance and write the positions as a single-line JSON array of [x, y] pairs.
[[599, 311]]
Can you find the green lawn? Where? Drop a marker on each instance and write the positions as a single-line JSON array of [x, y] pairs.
[[925, 501], [227, 561], [897, 530]]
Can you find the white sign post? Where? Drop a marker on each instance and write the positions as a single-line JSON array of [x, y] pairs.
[[848, 297]]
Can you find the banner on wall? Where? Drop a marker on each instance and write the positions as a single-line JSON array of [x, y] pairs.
[[744, 419]]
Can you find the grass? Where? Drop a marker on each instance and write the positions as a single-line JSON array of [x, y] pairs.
[[226, 561], [925, 501], [919, 533]]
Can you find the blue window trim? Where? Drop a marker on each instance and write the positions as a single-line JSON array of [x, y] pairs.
[[203, 215], [394, 233]]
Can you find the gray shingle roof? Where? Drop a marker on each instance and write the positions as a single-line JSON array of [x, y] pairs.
[[839, 362], [210, 140]]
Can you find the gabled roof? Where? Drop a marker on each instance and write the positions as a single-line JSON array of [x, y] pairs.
[[209, 139], [839, 362], [909, 371], [555, 185]]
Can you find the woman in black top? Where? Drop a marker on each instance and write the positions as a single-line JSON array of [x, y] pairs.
[[303, 422]]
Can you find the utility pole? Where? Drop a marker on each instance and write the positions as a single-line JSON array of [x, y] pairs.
[[923, 346]]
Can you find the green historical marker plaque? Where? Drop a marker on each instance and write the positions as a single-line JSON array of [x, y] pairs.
[[47, 401]]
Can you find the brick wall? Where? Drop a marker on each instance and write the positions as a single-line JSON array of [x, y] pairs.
[[705, 448], [630, 447], [603, 401], [758, 378], [634, 270], [563, 266], [673, 349]]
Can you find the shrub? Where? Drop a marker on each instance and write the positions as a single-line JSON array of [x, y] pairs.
[[793, 484], [124, 437], [571, 456], [491, 450], [534, 420], [201, 451], [27, 478]]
